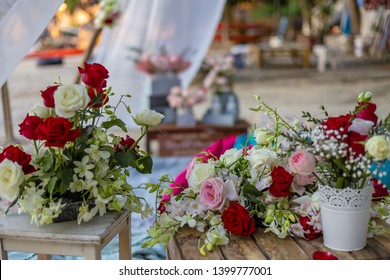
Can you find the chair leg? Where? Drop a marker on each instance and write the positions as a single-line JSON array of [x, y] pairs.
[[125, 240]]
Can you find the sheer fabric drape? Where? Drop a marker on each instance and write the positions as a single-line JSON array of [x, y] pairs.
[[149, 25], [21, 23]]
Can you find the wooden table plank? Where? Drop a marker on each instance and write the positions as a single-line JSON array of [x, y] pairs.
[[187, 242], [317, 245], [241, 248], [277, 248], [173, 140], [372, 251], [268, 246]]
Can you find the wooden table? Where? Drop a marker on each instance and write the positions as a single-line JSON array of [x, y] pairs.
[[267, 246], [290, 49], [66, 238], [174, 140]]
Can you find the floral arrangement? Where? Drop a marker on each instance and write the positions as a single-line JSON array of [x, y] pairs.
[[185, 97], [74, 156], [348, 145], [160, 63], [273, 183], [220, 75], [108, 13]]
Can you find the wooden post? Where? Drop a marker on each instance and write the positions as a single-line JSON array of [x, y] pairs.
[[88, 51], [9, 136]]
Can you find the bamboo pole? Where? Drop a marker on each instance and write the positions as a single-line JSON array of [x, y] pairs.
[[88, 52], [9, 135]]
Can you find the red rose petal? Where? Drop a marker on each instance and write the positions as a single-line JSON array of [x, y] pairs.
[[320, 255]]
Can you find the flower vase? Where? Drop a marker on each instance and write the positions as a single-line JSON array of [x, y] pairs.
[[160, 86], [345, 215], [70, 211], [185, 117]]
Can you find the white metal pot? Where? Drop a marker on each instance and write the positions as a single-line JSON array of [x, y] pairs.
[[345, 215]]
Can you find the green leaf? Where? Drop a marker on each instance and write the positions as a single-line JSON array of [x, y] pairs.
[[145, 165], [47, 162], [340, 182], [117, 122], [71, 5], [66, 176], [250, 189], [125, 159], [51, 185], [109, 149]]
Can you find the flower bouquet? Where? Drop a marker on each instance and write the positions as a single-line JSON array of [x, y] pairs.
[[74, 157], [270, 182], [219, 76], [108, 13], [346, 148], [183, 99], [161, 62]]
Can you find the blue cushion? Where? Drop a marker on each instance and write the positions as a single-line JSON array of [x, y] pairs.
[[381, 167], [244, 140]]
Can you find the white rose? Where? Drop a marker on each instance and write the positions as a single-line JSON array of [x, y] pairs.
[[262, 136], [69, 99], [262, 157], [148, 117], [200, 172], [378, 147], [11, 177], [361, 126], [230, 156], [40, 110]]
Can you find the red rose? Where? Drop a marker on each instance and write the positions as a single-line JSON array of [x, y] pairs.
[[98, 99], [379, 189], [367, 112], [56, 132], [125, 144], [94, 75], [355, 142], [15, 154], [237, 220], [28, 127], [310, 232], [281, 182], [340, 123], [48, 96]]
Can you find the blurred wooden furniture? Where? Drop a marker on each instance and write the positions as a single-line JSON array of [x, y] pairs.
[[66, 238], [248, 32], [174, 140], [293, 50], [267, 246]]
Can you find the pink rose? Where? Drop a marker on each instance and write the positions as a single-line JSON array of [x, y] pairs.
[[302, 162], [209, 80], [213, 193], [174, 100], [304, 180], [161, 62], [190, 166]]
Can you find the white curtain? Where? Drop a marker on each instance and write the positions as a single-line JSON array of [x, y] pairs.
[[21, 23], [177, 25]]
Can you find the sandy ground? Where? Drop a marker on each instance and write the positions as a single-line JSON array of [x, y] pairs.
[[287, 87]]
